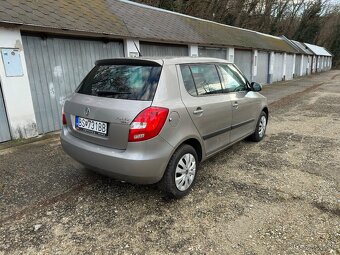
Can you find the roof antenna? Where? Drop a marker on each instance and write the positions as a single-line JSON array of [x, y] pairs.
[[140, 54]]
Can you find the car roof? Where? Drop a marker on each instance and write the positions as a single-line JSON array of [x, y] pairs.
[[192, 60], [160, 60]]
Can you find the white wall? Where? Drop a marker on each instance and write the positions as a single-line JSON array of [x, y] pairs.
[[131, 48], [231, 54], [293, 67], [302, 67], [254, 63], [284, 65], [271, 66], [193, 50], [16, 90]]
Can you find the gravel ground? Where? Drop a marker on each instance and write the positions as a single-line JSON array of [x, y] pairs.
[[280, 196]]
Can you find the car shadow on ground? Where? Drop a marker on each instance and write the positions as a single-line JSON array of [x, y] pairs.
[[205, 175]]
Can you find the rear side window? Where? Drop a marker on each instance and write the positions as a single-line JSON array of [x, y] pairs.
[[188, 80], [201, 79], [122, 82]]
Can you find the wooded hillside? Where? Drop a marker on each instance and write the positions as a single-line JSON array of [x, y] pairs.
[[316, 22]]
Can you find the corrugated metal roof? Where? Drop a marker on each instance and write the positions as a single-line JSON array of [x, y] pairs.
[[320, 51], [107, 18], [295, 46], [302, 47]]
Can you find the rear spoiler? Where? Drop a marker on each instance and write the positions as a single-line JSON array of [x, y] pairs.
[[128, 61]]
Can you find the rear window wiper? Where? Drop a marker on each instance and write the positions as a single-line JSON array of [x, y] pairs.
[[109, 93]]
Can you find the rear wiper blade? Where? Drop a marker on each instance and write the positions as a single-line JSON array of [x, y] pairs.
[[107, 92]]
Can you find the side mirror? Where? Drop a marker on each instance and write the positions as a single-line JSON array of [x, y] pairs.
[[256, 87]]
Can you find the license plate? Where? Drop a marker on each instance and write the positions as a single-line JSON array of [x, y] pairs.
[[91, 126]]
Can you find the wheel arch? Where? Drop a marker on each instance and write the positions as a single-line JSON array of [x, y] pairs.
[[265, 109], [195, 143]]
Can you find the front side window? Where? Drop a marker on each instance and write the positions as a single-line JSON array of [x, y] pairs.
[[232, 79], [206, 79], [122, 82]]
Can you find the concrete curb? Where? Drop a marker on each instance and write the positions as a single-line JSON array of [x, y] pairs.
[[20, 142]]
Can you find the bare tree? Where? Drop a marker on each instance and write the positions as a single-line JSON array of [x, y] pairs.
[[316, 21]]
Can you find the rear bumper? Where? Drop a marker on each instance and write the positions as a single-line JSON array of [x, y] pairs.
[[141, 162]]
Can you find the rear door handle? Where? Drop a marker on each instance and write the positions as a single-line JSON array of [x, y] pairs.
[[199, 110], [235, 105]]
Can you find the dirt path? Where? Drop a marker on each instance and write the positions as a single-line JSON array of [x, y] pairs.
[[280, 196]]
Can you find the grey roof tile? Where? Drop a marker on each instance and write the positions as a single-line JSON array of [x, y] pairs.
[[146, 23]]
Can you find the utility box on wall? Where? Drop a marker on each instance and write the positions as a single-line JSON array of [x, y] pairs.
[[12, 62]]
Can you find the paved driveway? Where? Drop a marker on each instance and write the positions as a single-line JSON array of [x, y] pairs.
[[280, 196]]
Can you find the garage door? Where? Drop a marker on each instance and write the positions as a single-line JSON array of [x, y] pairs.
[[325, 61], [298, 64], [289, 66], [243, 60], [213, 53], [4, 127], [55, 68], [163, 50], [306, 65], [314, 64], [278, 67], [318, 64], [262, 67], [329, 61]]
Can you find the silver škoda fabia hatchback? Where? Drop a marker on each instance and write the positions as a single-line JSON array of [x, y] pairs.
[[154, 120]]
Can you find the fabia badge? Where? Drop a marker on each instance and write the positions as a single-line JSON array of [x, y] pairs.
[[87, 111]]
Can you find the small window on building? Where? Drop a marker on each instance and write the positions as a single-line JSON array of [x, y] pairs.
[[188, 80], [206, 79], [12, 62]]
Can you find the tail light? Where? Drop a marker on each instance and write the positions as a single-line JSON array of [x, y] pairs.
[[64, 119], [147, 124], [63, 114]]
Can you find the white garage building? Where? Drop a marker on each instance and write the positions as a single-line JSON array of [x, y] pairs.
[[47, 47]]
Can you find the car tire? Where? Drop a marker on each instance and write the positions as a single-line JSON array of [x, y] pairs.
[[261, 127], [180, 174]]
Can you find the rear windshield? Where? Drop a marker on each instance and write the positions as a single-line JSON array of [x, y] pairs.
[[122, 82]]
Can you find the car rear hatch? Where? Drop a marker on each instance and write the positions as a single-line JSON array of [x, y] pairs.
[[109, 99]]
